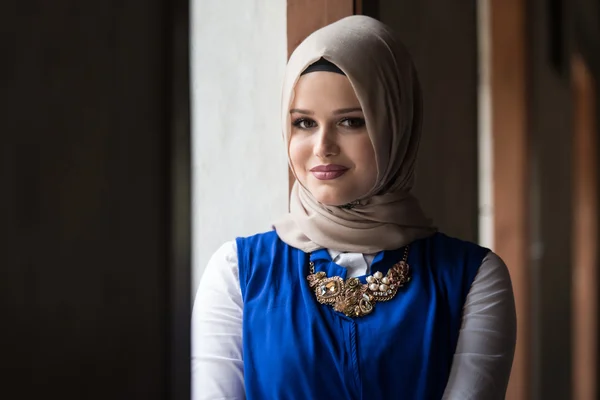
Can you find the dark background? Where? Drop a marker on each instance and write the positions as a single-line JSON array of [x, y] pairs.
[[94, 278]]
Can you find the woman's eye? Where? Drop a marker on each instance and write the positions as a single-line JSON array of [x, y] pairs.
[[304, 123], [353, 122]]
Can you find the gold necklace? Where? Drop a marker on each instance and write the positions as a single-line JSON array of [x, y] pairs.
[[353, 298]]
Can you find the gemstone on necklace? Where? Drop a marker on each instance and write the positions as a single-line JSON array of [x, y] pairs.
[[373, 286], [330, 289], [378, 275]]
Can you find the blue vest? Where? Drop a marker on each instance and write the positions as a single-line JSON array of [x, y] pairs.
[[295, 348]]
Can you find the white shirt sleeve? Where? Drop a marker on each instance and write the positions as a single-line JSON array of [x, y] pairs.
[[486, 343], [481, 364], [217, 361]]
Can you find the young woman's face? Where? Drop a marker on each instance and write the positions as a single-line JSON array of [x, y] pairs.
[[330, 148]]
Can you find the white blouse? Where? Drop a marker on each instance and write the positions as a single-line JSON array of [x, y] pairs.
[[481, 364]]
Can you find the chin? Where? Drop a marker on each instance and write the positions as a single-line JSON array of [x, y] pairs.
[[330, 199]]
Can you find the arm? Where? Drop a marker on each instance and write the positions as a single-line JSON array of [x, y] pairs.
[[217, 362], [486, 344]]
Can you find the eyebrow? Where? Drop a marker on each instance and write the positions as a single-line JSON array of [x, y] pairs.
[[336, 112], [299, 111]]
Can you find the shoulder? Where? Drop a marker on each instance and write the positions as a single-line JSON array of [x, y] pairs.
[[494, 272], [258, 237], [259, 242], [223, 263], [226, 252], [256, 254], [454, 262], [454, 244], [487, 268], [452, 249], [484, 257]]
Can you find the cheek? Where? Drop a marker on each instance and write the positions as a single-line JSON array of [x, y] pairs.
[[298, 158], [363, 151], [365, 157]]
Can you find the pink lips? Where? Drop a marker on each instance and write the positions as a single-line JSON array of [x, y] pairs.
[[327, 172]]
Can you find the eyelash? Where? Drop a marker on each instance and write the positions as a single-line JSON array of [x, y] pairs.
[[297, 123]]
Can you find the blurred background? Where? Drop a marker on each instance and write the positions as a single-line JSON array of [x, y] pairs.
[[141, 135]]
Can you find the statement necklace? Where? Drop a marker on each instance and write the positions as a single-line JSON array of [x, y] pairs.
[[356, 299]]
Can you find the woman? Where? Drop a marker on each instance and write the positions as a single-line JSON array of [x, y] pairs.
[[353, 295]]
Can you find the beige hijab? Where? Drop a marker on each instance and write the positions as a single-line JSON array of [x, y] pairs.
[[386, 84]]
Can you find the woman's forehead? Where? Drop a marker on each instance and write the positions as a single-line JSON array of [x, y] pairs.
[[325, 90]]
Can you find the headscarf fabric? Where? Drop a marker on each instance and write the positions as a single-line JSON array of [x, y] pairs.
[[385, 81]]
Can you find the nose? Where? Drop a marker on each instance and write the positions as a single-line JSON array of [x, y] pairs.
[[326, 144]]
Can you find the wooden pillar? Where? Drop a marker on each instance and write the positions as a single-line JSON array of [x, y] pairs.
[[585, 233], [306, 16], [510, 168]]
